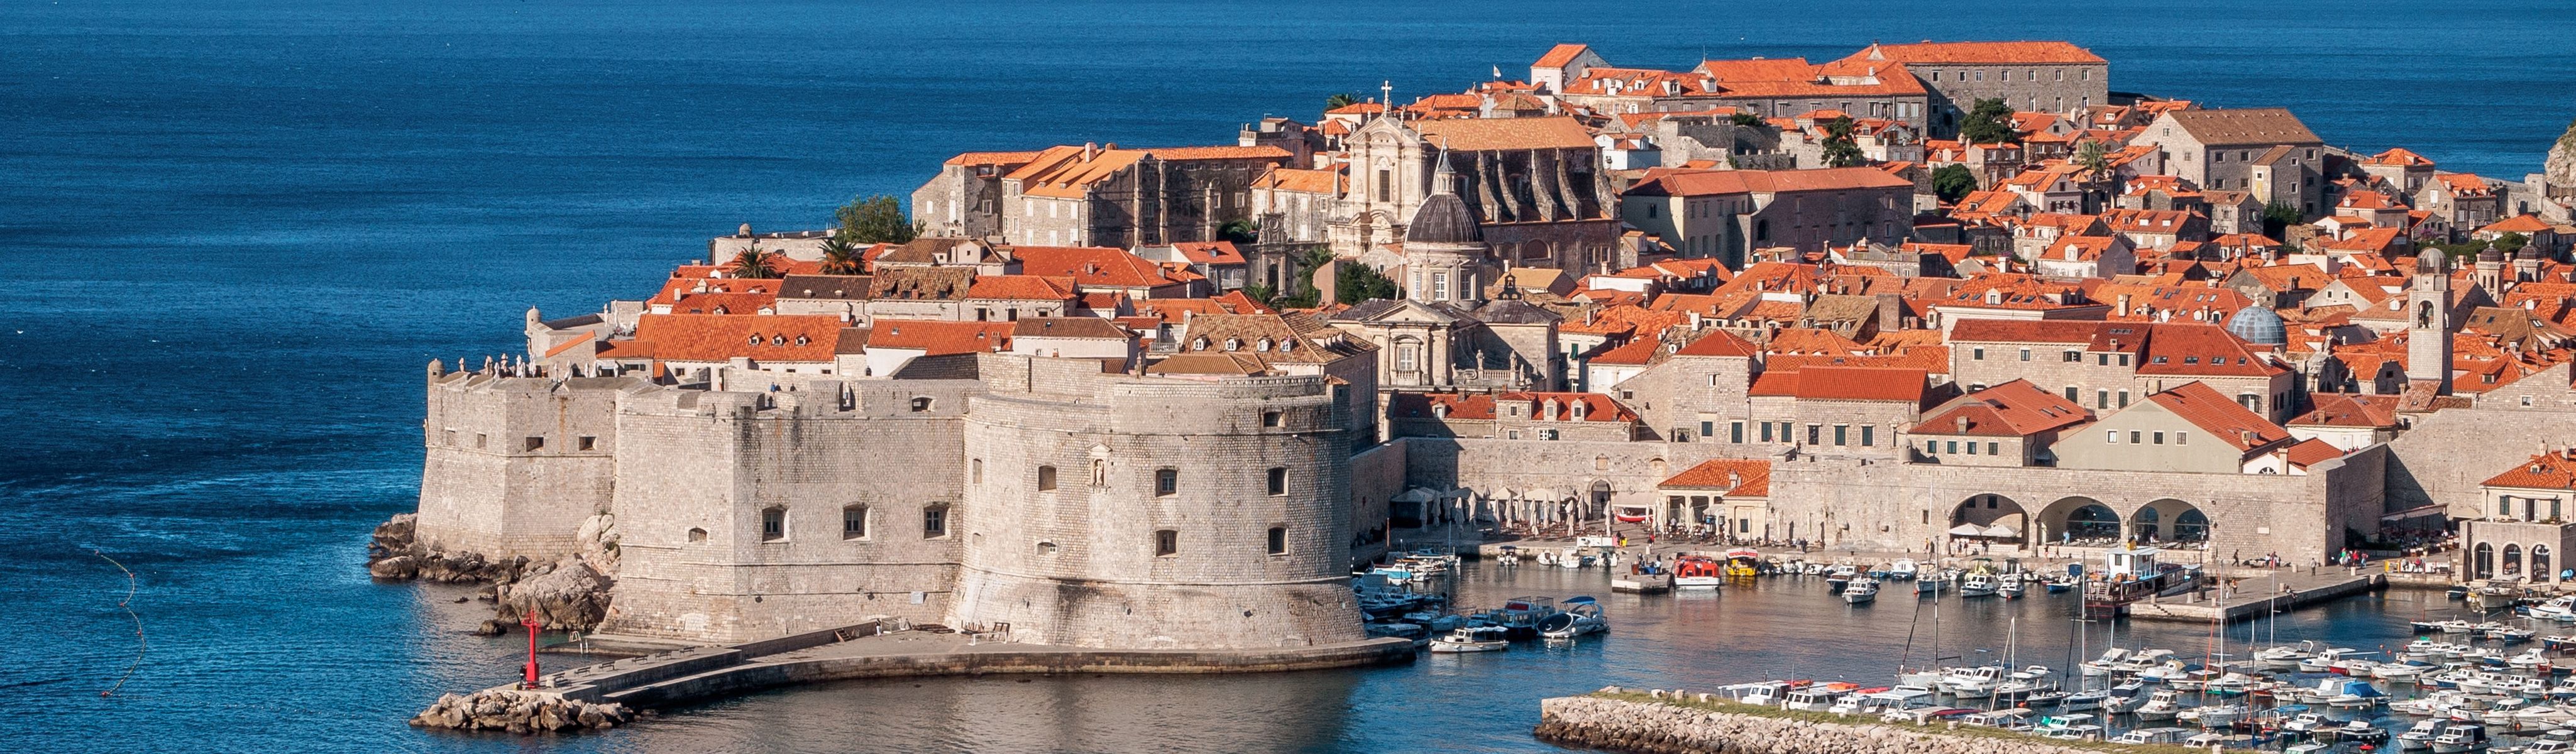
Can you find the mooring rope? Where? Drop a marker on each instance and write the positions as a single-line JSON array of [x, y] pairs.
[[140, 645]]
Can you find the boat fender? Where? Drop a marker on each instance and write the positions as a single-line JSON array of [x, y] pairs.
[[1657, 693], [1706, 697]]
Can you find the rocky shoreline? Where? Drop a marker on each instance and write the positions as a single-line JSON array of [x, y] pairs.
[[520, 712], [1674, 722], [569, 594]]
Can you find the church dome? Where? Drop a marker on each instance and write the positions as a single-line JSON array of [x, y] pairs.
[[2529, 251], [1442, 218], [2259, 326], [2491, 253]]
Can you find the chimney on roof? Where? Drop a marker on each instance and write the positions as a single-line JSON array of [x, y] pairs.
[[1963, 425], [1734, 480]]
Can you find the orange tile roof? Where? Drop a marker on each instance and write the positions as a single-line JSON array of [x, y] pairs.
[[2465, 183], [2312, 451], [2175, 348], [2203, 407], [1092, 266], [1596, 407], [1738, 478], [2554, 470], [2024, 53], [1022, 287], [1840, 383], [1560, 55], [1719, 343], [2349, 410], [1306, 181], [2012, 409], [2399, 156], [2525, 224], [721, 337], [941, 338], [1486, 134], [724, 303], [994, 158], [1402, 405]]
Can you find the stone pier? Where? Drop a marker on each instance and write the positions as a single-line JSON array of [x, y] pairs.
[[1682, 722]]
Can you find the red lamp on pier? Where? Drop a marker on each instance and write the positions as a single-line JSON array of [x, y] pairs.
[[531, 622]]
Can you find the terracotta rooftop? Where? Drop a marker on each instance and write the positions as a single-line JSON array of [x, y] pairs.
[[2012, 409], [1737, 478], [2554, 470], [2215, 414]]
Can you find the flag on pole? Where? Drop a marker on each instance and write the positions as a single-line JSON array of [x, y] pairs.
[[1498, 72]]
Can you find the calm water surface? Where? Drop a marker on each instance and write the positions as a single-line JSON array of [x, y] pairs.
[[233, 230]]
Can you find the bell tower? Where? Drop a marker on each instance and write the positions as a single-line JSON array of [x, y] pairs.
[[2428, 321]]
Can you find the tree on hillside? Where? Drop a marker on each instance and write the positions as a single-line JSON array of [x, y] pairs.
[[840, 257], [1953, 182], [1239, 231], [1989, 122], [1745, 119], [2279, 215], [1842, 149], [875, 219], [752, 263], [1340, 101]]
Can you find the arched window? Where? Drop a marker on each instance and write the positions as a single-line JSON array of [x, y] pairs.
[[2540, 564], [2148, 524], [697, 535], [2512, 560], [2424, 314], [2191, 526], [1099, 473], [2482, 561]]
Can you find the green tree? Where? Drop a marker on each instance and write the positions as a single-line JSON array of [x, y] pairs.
[[1354, 282], [1745, 119], [1340, 101], [1842, 149], [1989, 122], [1953, 182], [2512, 242], [753, 263], [2280, 215], [875, 219], [2094, 158], [840, 257], [1239, 231]]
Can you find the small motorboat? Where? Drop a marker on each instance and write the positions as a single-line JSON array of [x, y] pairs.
[[2305, 724], [1575, 617], [1978, 585], [1901, 570], [2458, 738], [2010, 588], [2421, 736], [2152, 736], [1472, 639], [2164, 705], [1861, 591], [2360, 731], [1698, 572], [2083, 701]]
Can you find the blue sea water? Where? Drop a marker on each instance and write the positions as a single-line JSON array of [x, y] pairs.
[[232, 231]]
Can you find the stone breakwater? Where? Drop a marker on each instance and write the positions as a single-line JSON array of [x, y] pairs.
[[1638, 722], [520, 712], [570, 594]]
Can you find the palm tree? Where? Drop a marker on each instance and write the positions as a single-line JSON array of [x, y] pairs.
[[2095, 159], [753, 263], [840, 257], [1340, 101]]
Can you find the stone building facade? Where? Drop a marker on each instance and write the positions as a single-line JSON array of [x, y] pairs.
[[2046, 77]]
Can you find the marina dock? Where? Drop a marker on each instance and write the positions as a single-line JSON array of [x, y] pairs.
[[2254, 597]]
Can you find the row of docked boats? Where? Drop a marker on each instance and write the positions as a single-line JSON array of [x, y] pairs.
[[1523, 618]]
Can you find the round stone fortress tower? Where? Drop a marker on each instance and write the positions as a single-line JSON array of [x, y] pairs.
[[1131, 513]]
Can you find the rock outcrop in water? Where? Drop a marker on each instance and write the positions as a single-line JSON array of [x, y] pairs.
[[393, 552], [567, 595], [520, 712], [1652, 727]]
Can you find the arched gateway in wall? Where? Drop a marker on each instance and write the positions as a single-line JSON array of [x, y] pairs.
[[2076, 519]]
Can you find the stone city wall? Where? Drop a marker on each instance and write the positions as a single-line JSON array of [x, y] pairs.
[[1640, 723], [485, 489]]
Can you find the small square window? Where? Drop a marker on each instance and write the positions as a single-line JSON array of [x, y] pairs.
[[1278, 481], [1166, 542], [1269, 418], [2159, 438], [481, 441], [934, 521], [1167, 482], [1046, 478], [2134, 436], [854, 522], [1278, 544], [773, 524], [585, 442]]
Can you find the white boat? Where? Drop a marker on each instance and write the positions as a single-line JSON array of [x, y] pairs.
[[2358, 731], [2009, 719], [1860, 591], [1978, 585], [1575, 617], [2420, 736], [2401, 672], [2054, 725], [2462, 738], [2305, 724], [1901, 570], [2285, 657], [2557, 609], [1928, 587], [2163, 705], [2324, 659], [2142, 661], [2152, 736], [1815, 698], [2306, 747], [1472, 639], [2105, 664], [2009, 588], [2213, 716], [2084, 700], [1973, 682]]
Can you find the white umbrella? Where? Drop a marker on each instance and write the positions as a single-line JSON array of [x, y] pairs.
[[1967, 530]]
